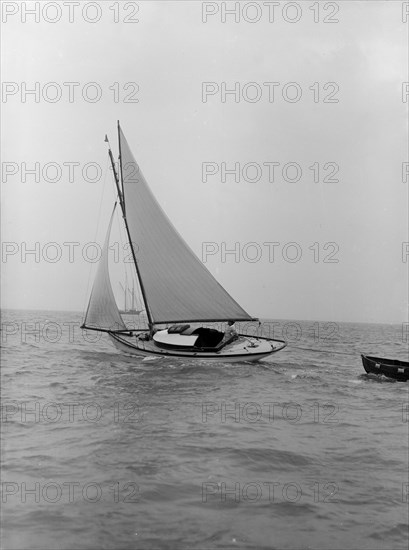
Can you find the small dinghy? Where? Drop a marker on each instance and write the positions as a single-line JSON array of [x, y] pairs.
[[392, 368]]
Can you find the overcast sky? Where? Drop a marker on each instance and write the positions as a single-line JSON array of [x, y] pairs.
[[340, 252]]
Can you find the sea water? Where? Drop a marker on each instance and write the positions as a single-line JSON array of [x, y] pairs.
[[302, 450]]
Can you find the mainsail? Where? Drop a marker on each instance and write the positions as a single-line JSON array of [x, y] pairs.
[[177, 286], [102, 313]]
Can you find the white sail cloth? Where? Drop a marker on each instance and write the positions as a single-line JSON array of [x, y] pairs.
[[102, 312], [177, 286]]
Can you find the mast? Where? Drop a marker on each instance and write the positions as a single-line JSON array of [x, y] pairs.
[[120, 194], [148, 313]]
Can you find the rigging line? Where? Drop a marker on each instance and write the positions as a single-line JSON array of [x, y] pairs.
[[125, 246], [128, 267], [87, 295], [123, 243], [145, 301], [290, 347], [128, 270]]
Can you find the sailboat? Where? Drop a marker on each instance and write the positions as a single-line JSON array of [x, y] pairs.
[[126, 290], [179, 293]]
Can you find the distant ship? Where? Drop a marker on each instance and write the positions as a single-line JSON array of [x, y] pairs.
[[132, 310]]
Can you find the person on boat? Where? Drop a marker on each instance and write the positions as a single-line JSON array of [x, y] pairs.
[[230, 333]]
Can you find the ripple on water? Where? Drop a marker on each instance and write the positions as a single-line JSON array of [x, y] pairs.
[[204, 477]]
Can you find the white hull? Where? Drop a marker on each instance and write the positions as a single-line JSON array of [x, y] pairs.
[[242, 349]]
